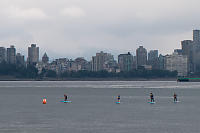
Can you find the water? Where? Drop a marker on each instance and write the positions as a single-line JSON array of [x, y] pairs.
[[93, 108]]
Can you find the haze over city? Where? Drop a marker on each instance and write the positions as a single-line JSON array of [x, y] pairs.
[[76, 28]]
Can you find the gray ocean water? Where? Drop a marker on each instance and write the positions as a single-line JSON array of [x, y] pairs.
[[93, 108]]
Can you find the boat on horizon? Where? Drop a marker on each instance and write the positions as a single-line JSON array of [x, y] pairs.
[[188, 80]]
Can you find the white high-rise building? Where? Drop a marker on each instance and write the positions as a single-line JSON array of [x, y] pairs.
[[33, 54], [176, 62], [100, 60]]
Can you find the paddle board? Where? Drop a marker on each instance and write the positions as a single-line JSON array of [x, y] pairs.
[[151, 102], [66, 101], [176, 101]]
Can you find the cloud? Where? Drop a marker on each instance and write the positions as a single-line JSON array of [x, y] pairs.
[[84, 27], [74, 12], [31, 13]]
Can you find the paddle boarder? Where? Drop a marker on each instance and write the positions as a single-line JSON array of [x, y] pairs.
[[151, 97], [65, 96], [118, 97], [175, 97]]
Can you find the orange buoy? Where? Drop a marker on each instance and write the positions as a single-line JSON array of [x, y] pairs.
[[44, 101]]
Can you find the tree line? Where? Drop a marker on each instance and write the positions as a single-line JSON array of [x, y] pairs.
[[130, 74], [30, 71]]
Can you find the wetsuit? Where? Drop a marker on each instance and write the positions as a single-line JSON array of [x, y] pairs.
[[175, 97], [65, 97], [118, 98], [151, 97]]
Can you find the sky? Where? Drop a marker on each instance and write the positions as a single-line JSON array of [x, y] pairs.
[[80, 28]]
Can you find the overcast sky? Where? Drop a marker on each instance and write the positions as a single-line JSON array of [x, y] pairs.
[[75, 28]]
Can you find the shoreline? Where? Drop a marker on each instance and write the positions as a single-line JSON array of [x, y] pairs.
[[87, 79]]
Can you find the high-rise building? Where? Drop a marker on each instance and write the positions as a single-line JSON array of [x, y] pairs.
[[20, 60], [161, 62], [125, 62], [191, 49], [186, 47], [11, 55], [176, 62], [141, 54], [196, 51], [153, 54], [99, 61], [45, 58], [187, 50], [196, 58], [153, 59], [2, 54], [134, 62], [33, 54], [196, 36]]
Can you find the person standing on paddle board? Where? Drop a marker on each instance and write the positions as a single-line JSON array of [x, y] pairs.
[[175, 97], [118, 97], [65, 96], [151, 97]]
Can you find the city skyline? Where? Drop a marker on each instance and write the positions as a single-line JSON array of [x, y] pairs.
[[54, 55], [185, 60], [133, 52], [89, 57], [85, 27]]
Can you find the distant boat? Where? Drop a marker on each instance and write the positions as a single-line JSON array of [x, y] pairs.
[[188, 80]]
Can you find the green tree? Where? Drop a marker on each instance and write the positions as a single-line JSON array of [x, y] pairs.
[[51, 74]]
